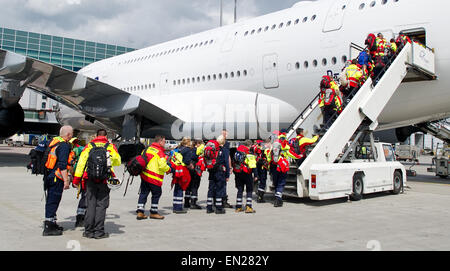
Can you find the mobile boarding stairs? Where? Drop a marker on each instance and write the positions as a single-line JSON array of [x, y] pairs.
[[359, 117]]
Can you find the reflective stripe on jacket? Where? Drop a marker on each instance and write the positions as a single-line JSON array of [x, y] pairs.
[[157, 165]]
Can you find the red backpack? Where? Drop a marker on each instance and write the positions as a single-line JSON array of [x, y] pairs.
[[371, 42], [211, 152]]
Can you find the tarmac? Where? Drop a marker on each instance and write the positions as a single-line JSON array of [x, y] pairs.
[[418, 219]]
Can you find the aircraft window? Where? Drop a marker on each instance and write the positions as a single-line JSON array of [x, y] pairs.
[[192, 45], [184, 81], [362, 6], [196, 45], [334, 60], [297, 65], [344, 7], [266, 28], [281, 25], [209, 77], [324, 62], [226, 75], [179, 81], [384, 2], [253, 31], [154, 85], [193, 80], [220, 76], [198, 79], [313, 17], [201, 43], [214, 77], [188, 81], [305, 19], [344, 59], [306, 64], [373, 4], [259, 30], [211, 41], [273, 26], [289, 23], [238, 73], [296, 21], [315, 63], [174, 82], [232, 74], [245, 72], [246, 33], [395, 1]]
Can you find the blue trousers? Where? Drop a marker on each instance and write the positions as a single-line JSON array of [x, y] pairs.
[[55, 188], [177, 198], [244, 180], [192, 190], [146, 188], [279, 181], [217, 189], [261, 174]]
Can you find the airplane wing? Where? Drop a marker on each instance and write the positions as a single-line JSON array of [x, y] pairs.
[[102, 102]]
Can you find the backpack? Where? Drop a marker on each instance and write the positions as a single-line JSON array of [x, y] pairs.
[[370, 42], [36, 165], [295, 145], [98, 166], [238, 159], [42, 169], [137, 164], [210, 154]]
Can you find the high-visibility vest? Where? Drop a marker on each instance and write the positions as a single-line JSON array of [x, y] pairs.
[[304, 141], [354, 75], [381, 46], [156, 167], [52, 158], [177, 164]]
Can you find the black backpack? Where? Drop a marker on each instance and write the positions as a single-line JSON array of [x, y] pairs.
[[97, 166]]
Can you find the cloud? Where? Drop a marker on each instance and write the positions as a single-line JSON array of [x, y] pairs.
[[131, 23]]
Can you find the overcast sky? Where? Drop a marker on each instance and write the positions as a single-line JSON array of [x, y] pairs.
[[131, 23]]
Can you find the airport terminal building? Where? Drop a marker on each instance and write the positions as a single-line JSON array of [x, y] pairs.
[[68, 53]]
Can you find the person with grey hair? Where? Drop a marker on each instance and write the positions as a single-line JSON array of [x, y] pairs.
[[56, 178]]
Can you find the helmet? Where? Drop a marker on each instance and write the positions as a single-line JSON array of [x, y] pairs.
[[114, 184]]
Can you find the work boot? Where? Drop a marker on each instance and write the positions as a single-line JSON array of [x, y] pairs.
[[220, 211], [141, 216], [102, 235], [187, 203], [156, 216], [209, 210], [194, 205], [80, 221], [182, 211], [226, 204], [50, 229], [249, 210], [238, 210], [278, 202], [260, 198]]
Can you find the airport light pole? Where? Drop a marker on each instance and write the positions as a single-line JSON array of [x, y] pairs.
[[221, 12]]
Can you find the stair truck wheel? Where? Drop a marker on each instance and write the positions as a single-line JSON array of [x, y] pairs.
[[398, 182], [358, 187]]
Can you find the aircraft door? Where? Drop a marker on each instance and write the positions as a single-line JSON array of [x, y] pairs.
[[270, 71], [164, 84], [335, 17]]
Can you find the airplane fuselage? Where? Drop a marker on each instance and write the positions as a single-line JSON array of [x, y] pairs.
[[266, 70]]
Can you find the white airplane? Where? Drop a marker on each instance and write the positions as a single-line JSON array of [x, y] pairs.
[[250, 77]]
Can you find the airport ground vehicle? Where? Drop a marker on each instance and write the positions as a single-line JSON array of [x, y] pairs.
[[441, 162], [407, 153], [375, 171]]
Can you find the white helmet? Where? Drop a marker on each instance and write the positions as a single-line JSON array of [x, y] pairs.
[[114, 184]]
